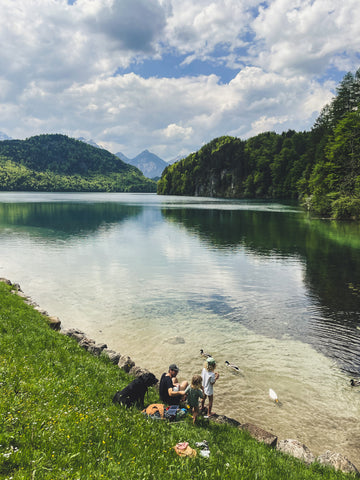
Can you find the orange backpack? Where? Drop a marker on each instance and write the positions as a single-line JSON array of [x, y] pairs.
[[155, 410]]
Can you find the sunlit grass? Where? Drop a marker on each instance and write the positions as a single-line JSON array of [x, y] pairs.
[[58, 420]]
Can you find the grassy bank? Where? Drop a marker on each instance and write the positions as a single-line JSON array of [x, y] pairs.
[[58, 420]]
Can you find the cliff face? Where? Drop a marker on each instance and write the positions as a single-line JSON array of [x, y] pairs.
[[217, 170], [221, 184]]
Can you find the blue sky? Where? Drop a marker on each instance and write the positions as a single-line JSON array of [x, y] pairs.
[[171, 75]]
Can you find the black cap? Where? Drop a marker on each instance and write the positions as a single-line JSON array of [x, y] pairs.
[[174, 367]]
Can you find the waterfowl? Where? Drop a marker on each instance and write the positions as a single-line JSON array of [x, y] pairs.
[[205, 355], [231, 365], [273, 395], [355, 383]]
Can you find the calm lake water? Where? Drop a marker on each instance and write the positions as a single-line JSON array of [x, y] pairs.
[[258, 284]]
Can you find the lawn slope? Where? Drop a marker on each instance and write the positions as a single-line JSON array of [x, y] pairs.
[[58, 420]]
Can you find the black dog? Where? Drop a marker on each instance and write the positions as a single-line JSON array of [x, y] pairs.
[[135, 391]]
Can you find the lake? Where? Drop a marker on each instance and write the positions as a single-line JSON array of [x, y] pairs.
[[258, 284]]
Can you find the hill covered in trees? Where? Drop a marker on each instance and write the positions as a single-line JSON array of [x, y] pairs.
[[320, 168], [59, 163]]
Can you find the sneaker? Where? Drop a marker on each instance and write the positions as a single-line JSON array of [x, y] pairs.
[[203, 444]]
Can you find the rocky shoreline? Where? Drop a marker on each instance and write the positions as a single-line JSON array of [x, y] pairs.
[[289, 446]]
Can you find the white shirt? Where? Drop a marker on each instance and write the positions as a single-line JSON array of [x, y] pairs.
[[208, 379]]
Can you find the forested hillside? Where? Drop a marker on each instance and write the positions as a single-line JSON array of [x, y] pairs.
[[59, 163], [320, 168]]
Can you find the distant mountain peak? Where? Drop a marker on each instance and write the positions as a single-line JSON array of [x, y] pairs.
[[149, 163]]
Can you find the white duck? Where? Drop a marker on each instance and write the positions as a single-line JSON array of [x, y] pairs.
[[273, 395]]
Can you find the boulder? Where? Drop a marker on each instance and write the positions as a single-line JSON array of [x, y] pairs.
[[54, 323], [137, 371], [78, 335], [113, 356], [5, 280], [296, 449], [41, 310], [260, 435], [21, 294], [96, 348], [86, 343], [224, 419], [125, 363], [337, 461]]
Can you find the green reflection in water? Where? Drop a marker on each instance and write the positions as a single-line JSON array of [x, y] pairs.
[[65, 219], [328, 250]]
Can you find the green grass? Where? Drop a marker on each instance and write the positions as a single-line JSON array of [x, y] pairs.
[[58, 420]]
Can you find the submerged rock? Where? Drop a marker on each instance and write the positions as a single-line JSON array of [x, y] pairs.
[[175, 340]]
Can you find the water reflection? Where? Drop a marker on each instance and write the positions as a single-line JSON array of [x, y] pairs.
[[65, 220], [327, 318], [330, 253]]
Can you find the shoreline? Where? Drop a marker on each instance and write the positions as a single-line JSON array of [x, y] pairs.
[[288, 446]]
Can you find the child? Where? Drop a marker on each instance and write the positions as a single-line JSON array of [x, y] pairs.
[[209, 377], [194, 392]]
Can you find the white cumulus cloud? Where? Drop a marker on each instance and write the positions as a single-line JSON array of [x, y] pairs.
[[168, 75]]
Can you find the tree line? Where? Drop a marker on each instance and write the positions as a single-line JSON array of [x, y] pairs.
[[320, 167]]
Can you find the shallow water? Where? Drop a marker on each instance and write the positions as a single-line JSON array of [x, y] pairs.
[[258, 284]]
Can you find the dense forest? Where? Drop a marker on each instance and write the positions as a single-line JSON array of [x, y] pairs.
[[58, 163], [320, 168]]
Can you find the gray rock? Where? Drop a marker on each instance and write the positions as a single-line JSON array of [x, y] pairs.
[[21, 294], [113, 356], [41, 310], [137, 371], [96, 348], [224, 419], [337, 461], [86, 343], [125, 363], [5, 280], [78, 335], [54, 323], [296, 449], [260, 435]]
